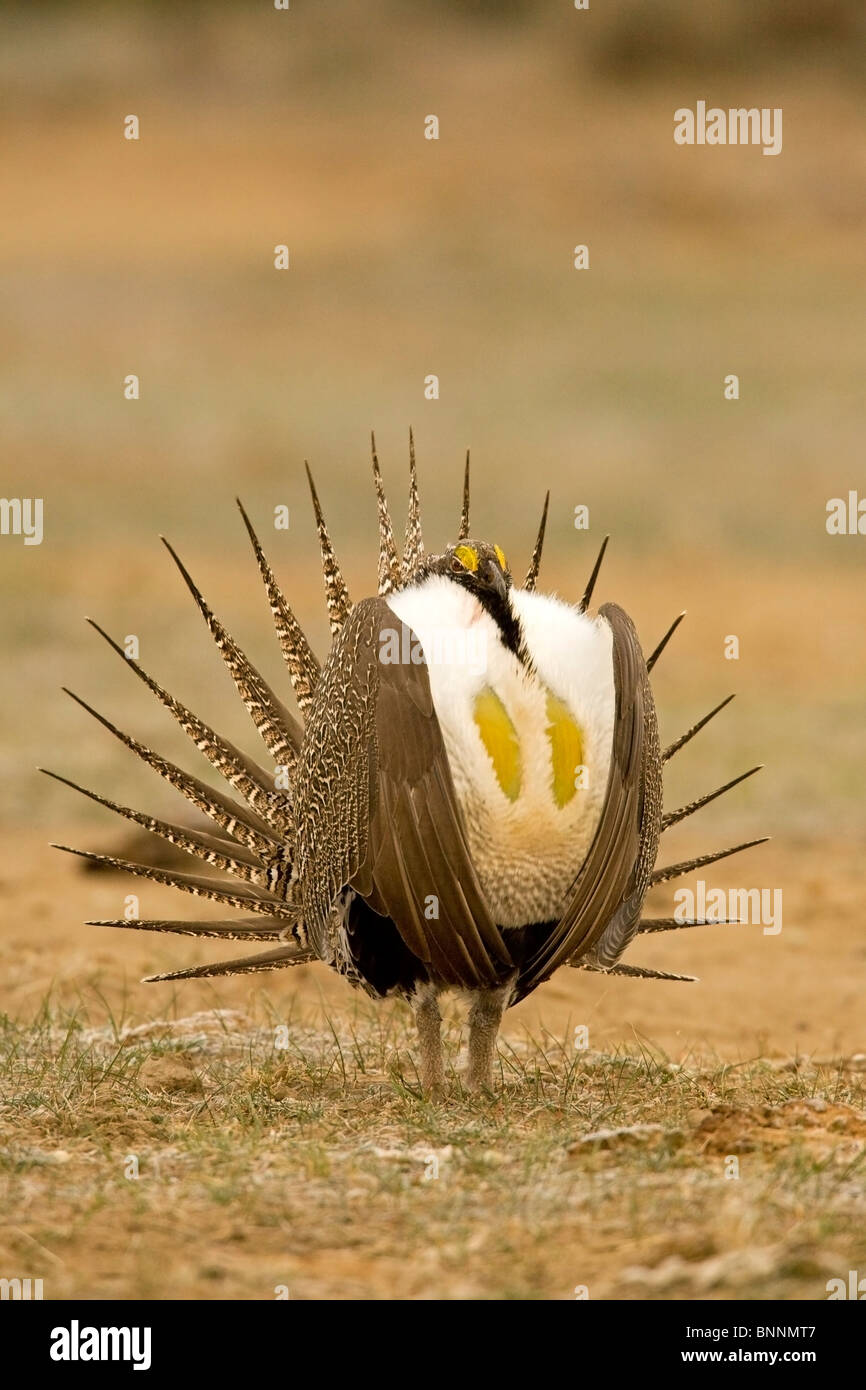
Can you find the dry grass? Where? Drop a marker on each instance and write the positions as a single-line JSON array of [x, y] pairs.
[[321, 1167]]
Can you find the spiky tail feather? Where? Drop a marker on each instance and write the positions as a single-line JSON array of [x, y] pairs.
[[677, 870], [637, 972], [240, 771], [279, 730], [389, 561], [242, 824], [303, 667], [654, 656], [463, 533], [535, 561], [242, 965], [336, 593], [219, 853], [590, 586], [250, 899], [654, 924], [413, 548], [673, 817], [236, 929], [695, 729]]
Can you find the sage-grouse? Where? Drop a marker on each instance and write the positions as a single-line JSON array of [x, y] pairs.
[[474, 798]]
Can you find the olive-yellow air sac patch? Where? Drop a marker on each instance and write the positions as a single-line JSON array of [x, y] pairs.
[[566, 749], [499, 737]]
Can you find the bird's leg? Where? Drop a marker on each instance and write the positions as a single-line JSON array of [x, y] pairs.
[[485, 1017], [425, 1003]]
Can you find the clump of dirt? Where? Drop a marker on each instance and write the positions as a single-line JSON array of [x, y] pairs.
[[825, 1129]]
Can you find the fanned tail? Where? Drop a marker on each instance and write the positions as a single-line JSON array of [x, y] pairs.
[[257, 840]]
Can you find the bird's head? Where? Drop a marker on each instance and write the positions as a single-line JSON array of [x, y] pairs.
[[482, 569], [478, 566]]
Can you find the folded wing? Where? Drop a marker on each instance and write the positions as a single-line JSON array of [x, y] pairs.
[[379, 813]]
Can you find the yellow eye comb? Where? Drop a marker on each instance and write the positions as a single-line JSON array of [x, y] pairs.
[[468, 557]]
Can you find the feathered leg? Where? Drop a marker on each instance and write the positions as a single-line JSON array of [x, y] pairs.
[[428, 1020], [485, 1017]]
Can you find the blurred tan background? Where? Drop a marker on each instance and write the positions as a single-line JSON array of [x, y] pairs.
[[454, 257]]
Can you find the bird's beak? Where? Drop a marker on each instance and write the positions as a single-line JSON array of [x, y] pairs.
[[496, 582]]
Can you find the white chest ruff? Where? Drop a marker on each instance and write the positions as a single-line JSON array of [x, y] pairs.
[[528, 825]]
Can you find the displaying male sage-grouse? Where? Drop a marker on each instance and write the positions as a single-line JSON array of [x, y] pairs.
[[474, 799]]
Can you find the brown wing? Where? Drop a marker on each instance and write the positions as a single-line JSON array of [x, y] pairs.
[[615, 874], [377, 809]]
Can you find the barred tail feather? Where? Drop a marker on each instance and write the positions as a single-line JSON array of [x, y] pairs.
[[240, 929], [303, 666], [677, 870], [389, 561], [654, 656], [250, 899], [336, 593], [241, 824], [655, 924], [590, 585], [208, 848], [413, 549], [673, 817], [267, 960], [635, 972], [535, 563], [279, 730], [240, 771], [640, 972], [695, 729], [463, 533]]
